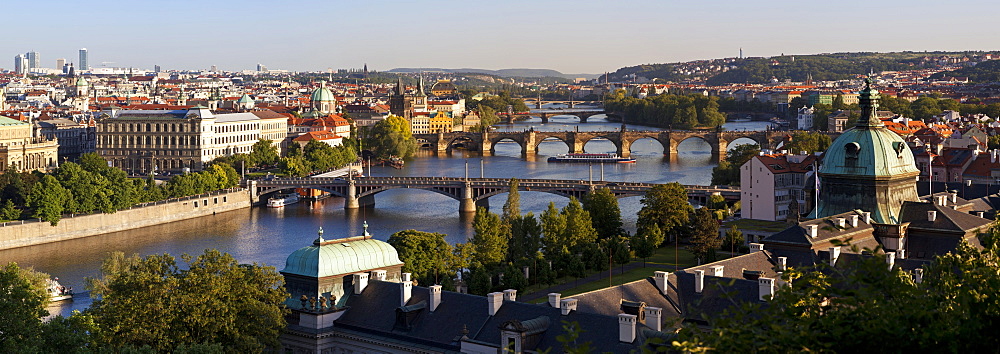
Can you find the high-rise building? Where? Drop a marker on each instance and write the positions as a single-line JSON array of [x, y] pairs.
[[214, 68], [60, 63], [84, 62], [20, 64], [156, 68], [33, 60], [261, 67]]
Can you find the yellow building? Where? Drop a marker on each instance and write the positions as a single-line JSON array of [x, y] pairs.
[[441, 122], [26, 152]]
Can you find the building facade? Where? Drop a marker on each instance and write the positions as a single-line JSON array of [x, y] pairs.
[[771, 186], [24, 149]]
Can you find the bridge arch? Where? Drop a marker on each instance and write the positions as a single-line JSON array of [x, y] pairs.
[[468, 141], [615, 141], [514, 138], [629, 144], [266, 191], [552, 139]]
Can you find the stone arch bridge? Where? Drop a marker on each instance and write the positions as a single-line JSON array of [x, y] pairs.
[[470, 192], [623, 139]]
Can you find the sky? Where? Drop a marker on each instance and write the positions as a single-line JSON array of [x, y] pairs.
[[569, 36]]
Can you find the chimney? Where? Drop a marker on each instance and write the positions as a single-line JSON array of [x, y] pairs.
[[661, 281], [954, 197], [405, 289], [812, 230], [840, 222], [435, 296], [510, 295], [918, 275], [360, 282], [716, 271], [900, 254], [626, 328], [931, 215], [834, 254], [699, 281], [979, 214], [378, 275], [766, 288], [554, 299], [890, 259], [567, 306], [853, 220], [493, 302], [756, 247], [782, 263], [654, 318], [866, 216]]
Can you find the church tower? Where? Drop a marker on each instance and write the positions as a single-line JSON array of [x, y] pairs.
[[867, 167], [399, 104]]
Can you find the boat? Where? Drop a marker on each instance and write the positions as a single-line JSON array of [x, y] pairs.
[[281, 200], [57, 292], [598, 158]]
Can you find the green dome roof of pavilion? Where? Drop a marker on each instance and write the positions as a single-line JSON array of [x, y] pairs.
[[340, 257], [245, 99]]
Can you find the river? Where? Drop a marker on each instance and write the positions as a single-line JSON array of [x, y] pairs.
[[267, 236]]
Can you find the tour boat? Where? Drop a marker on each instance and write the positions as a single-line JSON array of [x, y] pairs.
[[57, 292], [283, 200], [598, 158]]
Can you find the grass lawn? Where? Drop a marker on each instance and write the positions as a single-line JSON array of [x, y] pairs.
[[663, 259]]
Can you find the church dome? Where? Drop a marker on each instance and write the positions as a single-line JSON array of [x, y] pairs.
[[322, 94], [245, 99], [869, 149], [341, 257]]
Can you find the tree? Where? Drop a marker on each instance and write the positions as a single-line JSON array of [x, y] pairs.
[[604, 213], [263, 152], [925, 108], [734, 239], [22, 303], [645, 242], [48, 199], [855, 306], [809, 142], [512, 207], [294, 150], [553, 231], [490, 237], [525, 237], [687, 117], [211, 299], [838, 102], [619, 249], [294, 166], [706, 236], [579, 227], [392, 137], [424, 254], [666, 206], [728, 171], [9, 211]]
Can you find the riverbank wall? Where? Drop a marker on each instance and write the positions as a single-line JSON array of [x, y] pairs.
[[23, 233]]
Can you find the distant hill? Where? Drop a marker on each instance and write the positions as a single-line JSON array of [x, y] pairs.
[[758, 70], [985, 72], [501, 72]]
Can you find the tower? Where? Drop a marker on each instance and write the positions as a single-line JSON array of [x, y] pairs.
[[33, 60], [322, 100], [399, 104], [420, 99], [84, 59], [868, 167], [20, 65]]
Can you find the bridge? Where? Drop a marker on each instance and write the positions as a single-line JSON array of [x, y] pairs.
[[571, 103], [470, 192], [485, 142], [582, 113]]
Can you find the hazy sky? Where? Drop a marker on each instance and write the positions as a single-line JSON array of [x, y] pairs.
[[569, 36]]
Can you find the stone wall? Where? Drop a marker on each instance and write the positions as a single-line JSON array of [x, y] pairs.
[[32, 232]]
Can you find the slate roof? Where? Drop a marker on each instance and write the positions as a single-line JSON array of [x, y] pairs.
[[374, 312], [947, 218], [605, 301], [826, 230]]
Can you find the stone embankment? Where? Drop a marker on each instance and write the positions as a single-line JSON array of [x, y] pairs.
[[23, 233]]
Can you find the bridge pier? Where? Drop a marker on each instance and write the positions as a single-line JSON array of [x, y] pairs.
[[353, 202], [467, 204], [442, 143], [545, 118], [529, 146]]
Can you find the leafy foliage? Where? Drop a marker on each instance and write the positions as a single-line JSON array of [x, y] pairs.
[[705, 239], [673, 111], [810, 142], [391, 137], [667, 207], [605, 214], [728, 171], [154, 302], [424, 254]]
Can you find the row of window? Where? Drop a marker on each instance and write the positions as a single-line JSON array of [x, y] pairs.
[[150, 128]]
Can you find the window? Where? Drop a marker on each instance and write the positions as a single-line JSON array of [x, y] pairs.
[[851, 154]]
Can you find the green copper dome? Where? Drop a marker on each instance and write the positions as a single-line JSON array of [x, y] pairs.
[[322, 94], [245, 99], [340, 257], [868, 167]]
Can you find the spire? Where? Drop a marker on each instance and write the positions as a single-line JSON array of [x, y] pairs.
[[420, 87], [399, 85], [868, 101], [319, 240]]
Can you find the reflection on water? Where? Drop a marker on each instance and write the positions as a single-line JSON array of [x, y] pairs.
[[267, 236]]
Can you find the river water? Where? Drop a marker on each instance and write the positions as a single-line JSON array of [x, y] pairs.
[[267, 236]]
